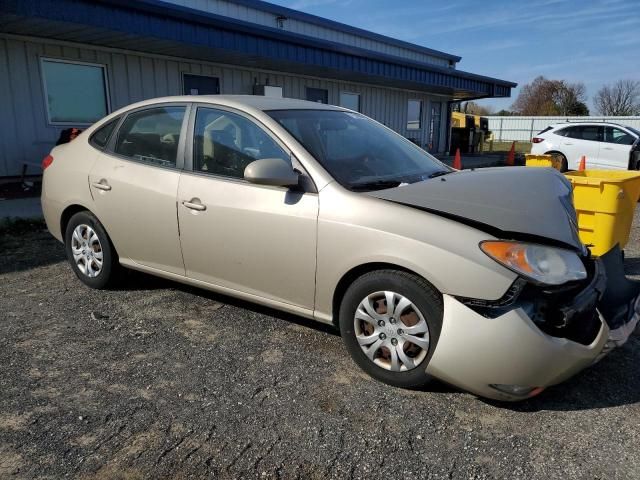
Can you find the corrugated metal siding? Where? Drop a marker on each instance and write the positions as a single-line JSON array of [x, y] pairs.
[[26, 135], [248, 14], [524, 128]]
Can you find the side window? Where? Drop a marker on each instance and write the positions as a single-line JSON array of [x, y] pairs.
[[152, 135], [565, 132], [582, 132], [617, 135], [225, 143], [414, 114], [101, 136], [590, 132]]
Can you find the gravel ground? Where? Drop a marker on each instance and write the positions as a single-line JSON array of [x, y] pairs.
[[156, 380]]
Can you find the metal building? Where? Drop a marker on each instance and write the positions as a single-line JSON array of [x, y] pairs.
[[70, 62]]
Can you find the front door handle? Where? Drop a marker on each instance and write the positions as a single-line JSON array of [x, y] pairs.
[[102, 185], [194, 204], [607, 148], [567, 143]]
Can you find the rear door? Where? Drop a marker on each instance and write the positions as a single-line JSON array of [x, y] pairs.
[[134, 184], [615, 149], [256, 239], [579, 141]]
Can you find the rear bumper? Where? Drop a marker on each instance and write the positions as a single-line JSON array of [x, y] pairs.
[[475, 352]]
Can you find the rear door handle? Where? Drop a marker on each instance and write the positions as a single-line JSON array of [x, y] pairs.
[[567, 143], [102, 185], [607, 148], [194, 204]]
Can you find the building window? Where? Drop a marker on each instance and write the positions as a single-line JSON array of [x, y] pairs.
[[350, 100], [200, 85], [434, 127], [414, 115], [76, 93], [318, 95]]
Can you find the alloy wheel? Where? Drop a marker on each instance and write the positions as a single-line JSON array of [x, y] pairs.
[[391, 331], [87, 250]]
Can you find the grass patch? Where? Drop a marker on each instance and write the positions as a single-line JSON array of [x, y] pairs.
[[521, 147]]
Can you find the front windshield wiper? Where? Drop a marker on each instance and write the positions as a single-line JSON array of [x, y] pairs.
[[375, 185], [440, 173]]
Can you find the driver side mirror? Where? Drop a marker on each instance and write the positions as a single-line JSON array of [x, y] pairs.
[[271, 171]]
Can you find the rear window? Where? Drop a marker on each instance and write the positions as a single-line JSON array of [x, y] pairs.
[[100, 137], [543, 131]]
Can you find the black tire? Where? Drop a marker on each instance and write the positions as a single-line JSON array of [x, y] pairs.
[[422, 294], [110, 271]]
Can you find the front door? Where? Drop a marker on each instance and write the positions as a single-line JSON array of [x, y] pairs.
[[200, 85], [134, 184], [255, 239], [615, 150]]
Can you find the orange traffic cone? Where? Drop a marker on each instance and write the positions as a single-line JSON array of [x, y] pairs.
[[583, 163], [457, 160], [511, 157]]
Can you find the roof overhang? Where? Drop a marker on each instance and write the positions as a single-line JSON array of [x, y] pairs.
[[160, 28]]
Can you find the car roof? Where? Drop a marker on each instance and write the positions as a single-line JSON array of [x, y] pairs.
[[566, 124], [257, 102]]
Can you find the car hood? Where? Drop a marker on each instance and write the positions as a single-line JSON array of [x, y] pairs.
[[515, 200]]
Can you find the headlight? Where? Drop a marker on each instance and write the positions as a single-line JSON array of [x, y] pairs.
[[552, 266]]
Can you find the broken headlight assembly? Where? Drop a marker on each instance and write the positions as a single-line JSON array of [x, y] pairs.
[[537, 263]]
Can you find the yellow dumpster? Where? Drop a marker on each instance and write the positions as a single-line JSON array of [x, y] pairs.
[[605, 201], [543, 161]]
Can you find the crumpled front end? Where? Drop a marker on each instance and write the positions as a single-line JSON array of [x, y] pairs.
[[532, 338]]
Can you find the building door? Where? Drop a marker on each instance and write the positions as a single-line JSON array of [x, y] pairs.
[[200, 85], [318, 95], [434, 127]]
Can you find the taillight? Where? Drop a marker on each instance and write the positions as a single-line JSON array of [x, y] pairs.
[[48, 160], [537, 140]]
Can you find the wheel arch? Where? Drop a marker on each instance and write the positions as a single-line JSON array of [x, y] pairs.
[[70, 211], [350, 276], [558, 152]]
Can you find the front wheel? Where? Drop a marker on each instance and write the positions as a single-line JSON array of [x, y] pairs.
[[390, 322], [90, 252]]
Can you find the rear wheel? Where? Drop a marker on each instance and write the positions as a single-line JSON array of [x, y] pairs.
[[564, 165], [90, 252], [390, 322]]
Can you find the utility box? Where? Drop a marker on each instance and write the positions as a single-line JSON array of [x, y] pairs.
[[267, 91]]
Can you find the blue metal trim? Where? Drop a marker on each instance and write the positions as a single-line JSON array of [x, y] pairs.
[[325, 22], [156, 19]]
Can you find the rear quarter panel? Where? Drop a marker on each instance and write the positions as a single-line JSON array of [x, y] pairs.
[[66, 181]]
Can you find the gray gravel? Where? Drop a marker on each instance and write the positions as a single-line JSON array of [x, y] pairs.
[[155, 380]]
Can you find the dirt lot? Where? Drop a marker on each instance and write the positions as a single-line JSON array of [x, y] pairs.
[[156, 380]]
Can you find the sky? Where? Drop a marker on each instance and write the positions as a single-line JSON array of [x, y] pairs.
[[591, 41]]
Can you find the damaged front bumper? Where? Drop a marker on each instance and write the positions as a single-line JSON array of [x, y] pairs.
[[533, 338]]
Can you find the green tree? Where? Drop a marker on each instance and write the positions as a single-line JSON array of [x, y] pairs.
[[551, 97]]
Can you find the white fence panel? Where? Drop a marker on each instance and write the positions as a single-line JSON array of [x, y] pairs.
[[522, 129]]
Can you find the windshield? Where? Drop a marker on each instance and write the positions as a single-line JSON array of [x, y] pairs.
[[359, 153], [634, 130]]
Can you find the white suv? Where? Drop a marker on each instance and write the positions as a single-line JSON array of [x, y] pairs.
[[605, 145]]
